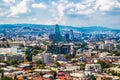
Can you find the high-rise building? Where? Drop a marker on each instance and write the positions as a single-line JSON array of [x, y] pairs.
[[52, 37], [67, 37], [57, 34], [71, 35]]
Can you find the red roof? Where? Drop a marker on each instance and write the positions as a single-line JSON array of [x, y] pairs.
[[64, 77]]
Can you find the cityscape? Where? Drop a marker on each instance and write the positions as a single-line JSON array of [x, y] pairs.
[[59, 40]]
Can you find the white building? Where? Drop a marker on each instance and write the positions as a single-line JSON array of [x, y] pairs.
[[92, 68], [10, 51], [47, 58]]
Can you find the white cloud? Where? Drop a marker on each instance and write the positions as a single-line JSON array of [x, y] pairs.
[[60, 11], [9, 1], [106, 5], [3, 13], [40, 5], [62, 8], [20, 8], [57, 9], [32, 19]]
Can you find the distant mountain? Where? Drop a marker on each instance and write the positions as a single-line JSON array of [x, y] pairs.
[[88, 29], [62, 27]]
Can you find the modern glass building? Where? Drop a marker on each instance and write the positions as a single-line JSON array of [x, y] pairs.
[[71, 35], [57, 34]]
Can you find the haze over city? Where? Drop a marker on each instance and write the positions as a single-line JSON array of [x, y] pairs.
[[65, 12]]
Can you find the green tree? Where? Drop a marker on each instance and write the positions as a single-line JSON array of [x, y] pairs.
[[54, 73], [57, 64], [74, 61], [82, 66], [68, 56], [42, 66], [34, 52], [13, 62], [103, 64], [92, 77], [38, 62], [2, 73], [41, 50], [6, 78]]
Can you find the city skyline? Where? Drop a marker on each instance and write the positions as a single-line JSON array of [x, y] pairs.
[[64, 12]]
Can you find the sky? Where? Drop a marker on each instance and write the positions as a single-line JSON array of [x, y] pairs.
[[65, 12]]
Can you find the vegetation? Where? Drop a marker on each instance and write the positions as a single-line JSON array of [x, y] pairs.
[[42, 66], [6, 78], [2, 73], [38, 62], [68, 56], [57, 64], [2, 61], [116, 52], [82, 66], [103, 64], [92, 77], [54, 73], [74, 61], [45, 42], [114, 73], [30, 51], [13, 62], [41, 50]]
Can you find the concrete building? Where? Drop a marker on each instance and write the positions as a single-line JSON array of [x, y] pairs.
[[16, 43], [59, 49], [47, 58], [61, 57], [92, 68]]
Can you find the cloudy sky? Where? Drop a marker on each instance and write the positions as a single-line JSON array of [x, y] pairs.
[[66, 12]]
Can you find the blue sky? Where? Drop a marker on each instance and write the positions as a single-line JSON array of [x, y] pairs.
[[66, 12]]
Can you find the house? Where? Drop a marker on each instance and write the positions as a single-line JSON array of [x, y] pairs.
[[92, 68]]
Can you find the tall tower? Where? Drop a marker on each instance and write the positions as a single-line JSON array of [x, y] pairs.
[[57, 34], [71, 36]]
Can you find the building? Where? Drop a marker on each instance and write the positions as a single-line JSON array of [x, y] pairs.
[[59, 48], [16, 43], [67, 37], [61, 57], [71, 35], [47, 58], [92, 68], [52, 37], [4, 43], [57, 34]]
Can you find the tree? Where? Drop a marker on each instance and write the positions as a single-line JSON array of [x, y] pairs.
[[103, 64], [54, 73], [6, 78], [38, 62], [41, 50], [36, 47], [82, 66], [68, 56], [2, 73], [42, 66], [92, 77], [29, 57], [13, 62], [74, 61], [116, 52], [34, 52], [57, 64]]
